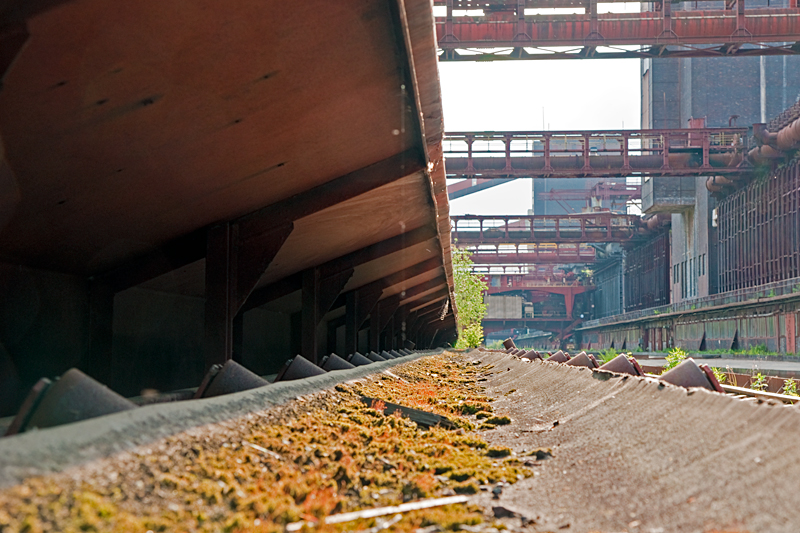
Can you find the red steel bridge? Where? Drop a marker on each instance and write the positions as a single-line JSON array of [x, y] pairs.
[[597, 154], [533, 254], [577, 228], [488, 30], [488, 159]]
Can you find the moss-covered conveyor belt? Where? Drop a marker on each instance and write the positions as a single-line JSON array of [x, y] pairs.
[[536, 447]]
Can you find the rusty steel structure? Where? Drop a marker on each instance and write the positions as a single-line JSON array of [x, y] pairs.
[[647, 270], [759, 232], [533, 254], [144, 242], [524, 29], [472, 185], [601, 153], [608, 192], [614, 196], [539, 288], [578, 228]]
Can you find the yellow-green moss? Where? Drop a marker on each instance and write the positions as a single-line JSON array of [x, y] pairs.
[[331, 454]]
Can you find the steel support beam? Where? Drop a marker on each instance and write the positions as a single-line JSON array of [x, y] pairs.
[[234, 264], [335, 191], [288, 285], [172, 255], [359, 304], [395, 278], [98, 362], [317, 297], [333, 326]]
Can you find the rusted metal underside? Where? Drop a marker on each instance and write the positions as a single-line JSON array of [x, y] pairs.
[[231, 151]]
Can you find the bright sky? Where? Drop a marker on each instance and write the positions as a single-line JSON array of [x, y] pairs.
[[572, 94]]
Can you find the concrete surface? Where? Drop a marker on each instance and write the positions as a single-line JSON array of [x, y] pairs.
[[632, 454]]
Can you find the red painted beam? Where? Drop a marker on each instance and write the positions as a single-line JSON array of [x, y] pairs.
[[472, 185], [698, 33], [553, 256], [606, 153], [600, 227]]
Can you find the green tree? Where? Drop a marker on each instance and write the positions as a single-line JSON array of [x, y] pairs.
[[469, 289]]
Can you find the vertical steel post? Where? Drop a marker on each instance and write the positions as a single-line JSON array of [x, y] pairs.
[[470, 139], [351, 327], [706, 150], [586, 164], [547, 166], [626, 157], [221, 276], [309, 345], [98, 361], [374, 328]]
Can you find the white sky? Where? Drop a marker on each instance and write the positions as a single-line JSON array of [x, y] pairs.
[[575, 94]]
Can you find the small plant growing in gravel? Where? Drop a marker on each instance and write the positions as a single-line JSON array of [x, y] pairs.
[[674, 358], [790, 387], [758, 382]]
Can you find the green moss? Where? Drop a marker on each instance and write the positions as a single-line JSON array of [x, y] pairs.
[[498, 451], [467, 488], [332, 454]]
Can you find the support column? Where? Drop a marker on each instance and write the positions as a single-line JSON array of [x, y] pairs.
[[358, 305], [235, 263], [350, 326], [220, 278], [375, 328], [310, 315], [101, 331], [238, 337], [318, 294]]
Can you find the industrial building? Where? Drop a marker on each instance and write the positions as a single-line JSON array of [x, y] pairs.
[[716, 226]]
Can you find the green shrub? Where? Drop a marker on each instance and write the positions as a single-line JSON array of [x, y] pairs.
[[790, 387], [758, 382], [674, 358], [607, 355]]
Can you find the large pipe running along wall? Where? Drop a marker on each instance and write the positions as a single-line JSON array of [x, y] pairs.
[[779, 136]]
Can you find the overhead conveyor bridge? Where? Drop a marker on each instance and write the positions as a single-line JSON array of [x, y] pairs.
[[577, 29]]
